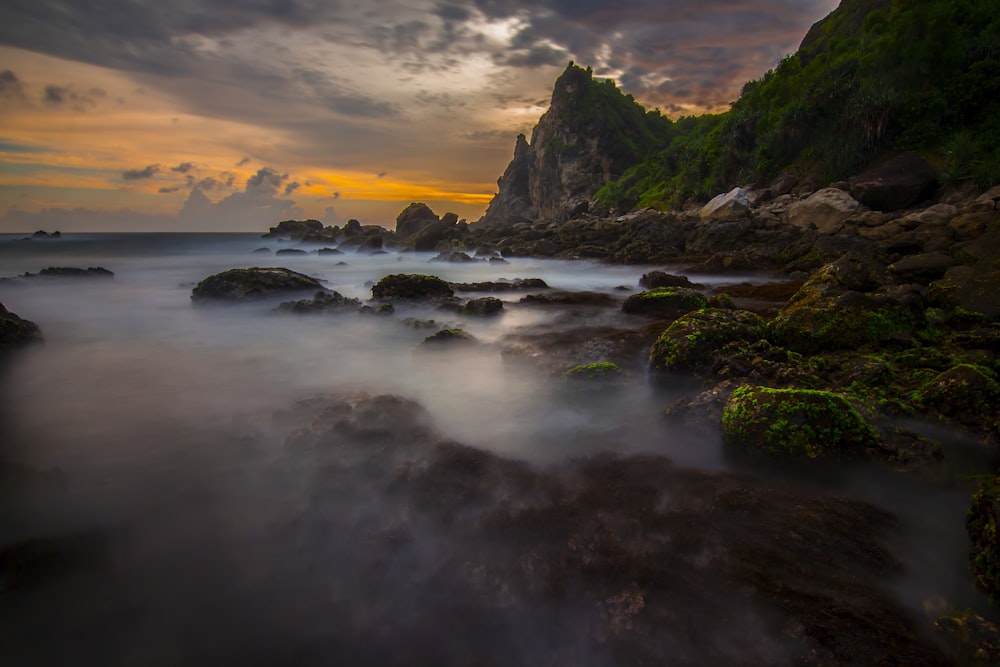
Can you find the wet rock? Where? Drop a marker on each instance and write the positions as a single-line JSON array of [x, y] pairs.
[[412, 287], [982, 522], [895, 184], [487, 306], [655, 279], [262, 251], [692, 342], [14, 330], [517, 284], [448, 338], [665, 302], [558, 298], [597, 372], [323, 302], [291, 251], [796, 423], [923, 268], [965, 394], [329, 251], [454, 257], [826, 210], [252, 283]]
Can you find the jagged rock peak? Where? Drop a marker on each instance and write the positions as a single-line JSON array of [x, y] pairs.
[[589, 135]]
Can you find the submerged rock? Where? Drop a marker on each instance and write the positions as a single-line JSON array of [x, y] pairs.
[[252, 283], [411, 286], [798, 423]]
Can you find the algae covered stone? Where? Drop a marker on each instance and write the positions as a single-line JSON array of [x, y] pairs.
[[981, 524], [798, 423], [691, 342], [252, 283], [598, 371], [665, 301], [966, 394], [411, 286]]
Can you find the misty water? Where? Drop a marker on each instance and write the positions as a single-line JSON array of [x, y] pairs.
[[155, 422]]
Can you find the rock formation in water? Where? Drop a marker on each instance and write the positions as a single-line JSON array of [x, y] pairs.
[[590, 135], [15, 330]]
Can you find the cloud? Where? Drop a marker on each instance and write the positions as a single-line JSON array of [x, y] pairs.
[[11, 87], [208, 183], [55, 96], [166, 191], [258, 205], [291, 187], [138, 174], [242, 163], [183, 167]]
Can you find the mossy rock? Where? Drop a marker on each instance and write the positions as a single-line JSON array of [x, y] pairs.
[[665, 302], [486, 306], [797, 423], [965, 394], [981, 524], [816, 320], [692, 342], [595, 372], [252, 283], [411, 286], [449, 337]]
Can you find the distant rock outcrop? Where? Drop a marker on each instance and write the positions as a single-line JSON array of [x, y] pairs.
[[419, 227], [590, 135], [311, 231]]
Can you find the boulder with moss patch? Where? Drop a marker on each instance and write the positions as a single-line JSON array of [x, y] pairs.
[[665, 302], [411, 286], [595, 372], [965, 394], [798, 423], [693, 342]]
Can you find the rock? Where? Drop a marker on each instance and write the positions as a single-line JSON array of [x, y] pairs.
[[252, 283], [448, 337], [302, 230], [982, 522], [665, 302], [976, 641], [655, 279], [893, 185], [938, 214], [732, 205], [329, 251], [484, 307], [597, 372], [923, 268], [783, 184], [796, 423], [14, 330], [969, 287], [517, 284], [429, 237], [72, 272], [972, 225], [291, 251], [411, 286], [964, 394], [323, 301], [570, 299], [693, 342], [826, 210], [262, 251], [455, 257], [413, 219]]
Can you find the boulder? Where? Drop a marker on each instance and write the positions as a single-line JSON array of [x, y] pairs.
[[517, 284], [692, 342], [449, 338], [896, 184], [732, 205], [414, 218], [826, 210], [982, 522], [291, 251], [72, 272], [665, 302], [323, 301], [924, 267], [252, 283], [411, 286], [655, 279], [295, 230], [797, 423], [454, 257], [966, 395], [938, 214], [598, 372], [14, 330], [486, 306], [970, 287]]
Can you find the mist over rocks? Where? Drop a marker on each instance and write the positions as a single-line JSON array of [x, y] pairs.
[[15, 331]]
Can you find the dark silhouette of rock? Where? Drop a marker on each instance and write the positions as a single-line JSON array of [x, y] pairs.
[[252, 283], [411, 286], [486, 306], [322, 302], [900, 182], [71, 272], [291, 251], [15, 330], [414, 218], [309, 231], [517, 284], [655, 279]]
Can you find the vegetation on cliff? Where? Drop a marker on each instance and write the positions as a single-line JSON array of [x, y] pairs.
[[874, 77]]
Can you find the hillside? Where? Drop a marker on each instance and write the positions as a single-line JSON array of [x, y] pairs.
[[873, 78]]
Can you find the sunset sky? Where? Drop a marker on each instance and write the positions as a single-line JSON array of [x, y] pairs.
[[224, 115]]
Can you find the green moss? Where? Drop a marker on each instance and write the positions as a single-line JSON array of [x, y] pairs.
[[667, 301], [796, 422], [693, 342], [601, 370]]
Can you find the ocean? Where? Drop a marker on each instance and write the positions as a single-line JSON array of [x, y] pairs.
[[159, 427]]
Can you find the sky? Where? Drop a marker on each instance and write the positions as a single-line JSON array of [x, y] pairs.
[[230, 115]]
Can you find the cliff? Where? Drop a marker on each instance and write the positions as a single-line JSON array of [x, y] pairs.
[[590, 135]]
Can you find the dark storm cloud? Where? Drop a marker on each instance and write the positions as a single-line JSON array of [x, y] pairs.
[[183, 167], [291, 187], [450, 12], [138, 174]]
